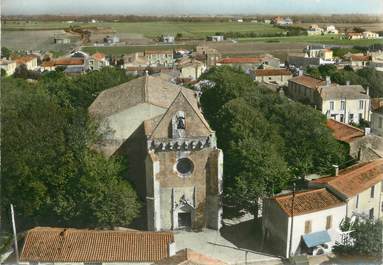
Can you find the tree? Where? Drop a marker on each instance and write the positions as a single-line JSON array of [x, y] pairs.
[[267, 140], [48, 170], [5, 52], [365, 238]]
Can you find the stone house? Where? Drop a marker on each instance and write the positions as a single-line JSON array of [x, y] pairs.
[[290, 229], [160, 58], [8, 66], [46, 245], [172, 154], [136, 59], [273, 76], [364, 146], [192, 69], [344, 103], [207, 55]]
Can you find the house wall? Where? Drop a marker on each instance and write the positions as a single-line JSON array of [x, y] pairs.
[[9, 68], [304, 94], [32, 64], [160, 59], [193, 72], [351, 107], [377, 123], [279, 79], [318, 223], [365, 202]]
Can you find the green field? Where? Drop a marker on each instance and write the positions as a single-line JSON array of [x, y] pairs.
[[326, 39], [152, 29], [117, 51]]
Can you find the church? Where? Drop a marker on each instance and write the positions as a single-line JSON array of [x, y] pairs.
[[171, 151]]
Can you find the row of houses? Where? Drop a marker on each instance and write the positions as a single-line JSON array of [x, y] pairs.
[[362, 35], [314, 29]]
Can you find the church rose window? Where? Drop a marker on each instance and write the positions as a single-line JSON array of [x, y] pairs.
[[185, 166]]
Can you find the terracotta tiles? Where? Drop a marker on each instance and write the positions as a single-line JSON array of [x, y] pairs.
[[344, 132], [272, 72], [360, 58], [45, 244], [307, 201], [241, 60], [308, 81]]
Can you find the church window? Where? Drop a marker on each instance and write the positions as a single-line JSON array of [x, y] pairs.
[[184, 166]]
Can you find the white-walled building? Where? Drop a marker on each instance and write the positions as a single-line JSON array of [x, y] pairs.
[[370, 35], [360, 186], [330, 29], [8, 66], [344, 103], [191, 69], [97, 61], [316, 216], [272, 76], [28, 60]]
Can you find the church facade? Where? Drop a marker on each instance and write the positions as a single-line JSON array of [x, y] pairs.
[[172, 155]]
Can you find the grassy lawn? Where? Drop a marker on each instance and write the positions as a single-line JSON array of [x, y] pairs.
[[117, 51], [327, 39], [152, 29]]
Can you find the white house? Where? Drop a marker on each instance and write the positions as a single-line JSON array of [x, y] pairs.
[[192, 69], [330, 29], [279, 76], [360, 186], [216, 38], [168, 39], [314, 30], [29, 61], [46, 245], [344, 103], [370, 35], [302, 223], [97, 61]]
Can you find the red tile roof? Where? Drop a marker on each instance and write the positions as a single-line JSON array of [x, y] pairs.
[[307, 201], [344, 132], [360, 58], [189, 257], [63, 61], [24, 59], [272, 72], [308, 81], [235, 60], [159, 52], [355, 179], [98, 56], [45, 244]]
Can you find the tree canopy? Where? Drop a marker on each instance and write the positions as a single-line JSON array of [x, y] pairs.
[[268, 141], [49, 171]]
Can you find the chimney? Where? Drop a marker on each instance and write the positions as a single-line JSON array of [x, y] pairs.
[[328, 81], [348, 82], [300, 72], [367, 91], [336, 170], [367, 131]]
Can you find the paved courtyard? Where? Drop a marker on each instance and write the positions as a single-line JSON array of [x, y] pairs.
[[235, 243]]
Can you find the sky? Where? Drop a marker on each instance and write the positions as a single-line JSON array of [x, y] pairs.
[[189, 7]]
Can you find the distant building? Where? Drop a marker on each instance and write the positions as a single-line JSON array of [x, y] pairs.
[[45, 245], [240, 20], [168, 39], [377, 60], [318, 51], [63, 62], [354, 36], [97, 61], [330, 29], [359, 61], [279, 77], [216, 38], [192, 69], [267, 21], [344, 103], [29, 61], [370, 35], [60, 39], [160, 58], [282, 21], [314, 30], [208, 55], [111, 39], [251, 63], [8, 66]]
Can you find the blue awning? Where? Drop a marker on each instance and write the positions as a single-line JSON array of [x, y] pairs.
[[317, 238]]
